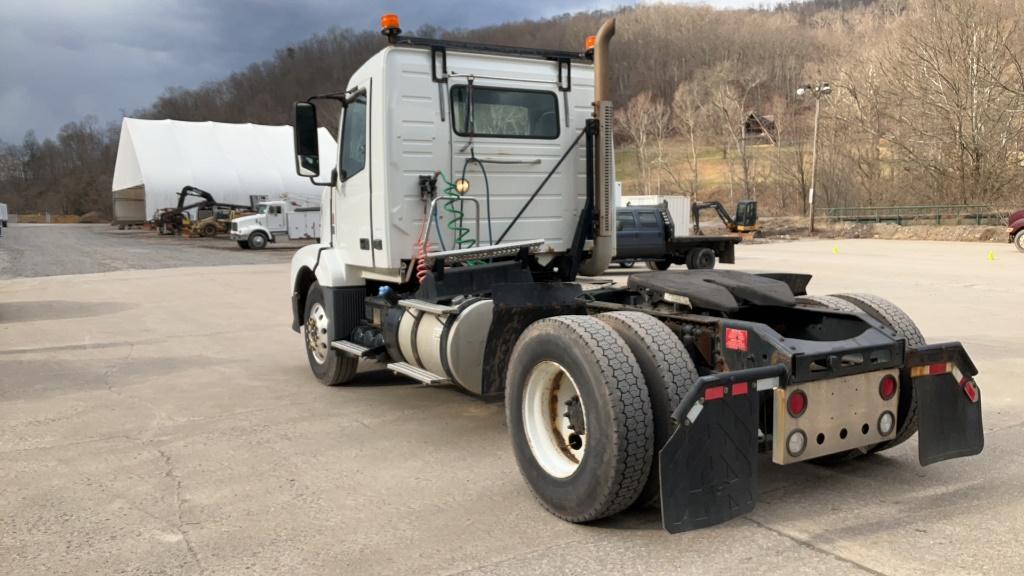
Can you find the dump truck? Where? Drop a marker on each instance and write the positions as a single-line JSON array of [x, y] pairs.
[[273, 219], [471, 197]]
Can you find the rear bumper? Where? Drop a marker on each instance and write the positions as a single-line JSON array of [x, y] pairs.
[[708, 467]]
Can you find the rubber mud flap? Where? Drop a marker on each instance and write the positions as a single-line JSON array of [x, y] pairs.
[[708, 467], [949, 423], [948, 403]]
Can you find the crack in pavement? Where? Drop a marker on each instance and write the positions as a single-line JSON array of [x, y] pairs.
[[812, 546], [180, 524]]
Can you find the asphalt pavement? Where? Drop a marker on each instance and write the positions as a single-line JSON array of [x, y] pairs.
[[164, 421]]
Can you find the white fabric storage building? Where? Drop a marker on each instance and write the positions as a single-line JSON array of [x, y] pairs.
[[157, 158]]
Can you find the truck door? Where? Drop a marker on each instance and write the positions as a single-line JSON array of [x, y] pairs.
[[650, 232], [275, 219], [626, 240], [352, 219]]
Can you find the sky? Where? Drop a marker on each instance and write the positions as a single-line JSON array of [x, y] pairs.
[[65, 59]]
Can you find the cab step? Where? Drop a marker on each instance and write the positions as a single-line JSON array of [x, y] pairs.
[[350, 348], [416, 373]]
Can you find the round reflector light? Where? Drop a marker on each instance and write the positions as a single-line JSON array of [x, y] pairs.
[[887, 387], [886, 422], [796, 442], [797, 403]]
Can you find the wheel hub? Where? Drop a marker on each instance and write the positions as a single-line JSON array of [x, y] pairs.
[[316, 333], [554, 419]]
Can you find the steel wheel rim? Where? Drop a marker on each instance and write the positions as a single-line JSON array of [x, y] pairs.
[[555, 446], [316, 333]]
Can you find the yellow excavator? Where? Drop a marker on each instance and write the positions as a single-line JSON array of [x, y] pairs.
[[745, 221]]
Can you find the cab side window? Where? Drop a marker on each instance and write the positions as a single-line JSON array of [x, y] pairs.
[[353, 138]]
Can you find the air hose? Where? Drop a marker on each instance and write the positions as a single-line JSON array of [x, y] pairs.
[[453, 206]]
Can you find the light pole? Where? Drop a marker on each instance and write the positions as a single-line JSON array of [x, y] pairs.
[[819, 90]]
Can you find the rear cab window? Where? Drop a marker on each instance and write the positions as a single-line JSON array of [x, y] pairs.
[[505, 112], [648, 219]]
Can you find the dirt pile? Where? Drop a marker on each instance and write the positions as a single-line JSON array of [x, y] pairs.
[[796, 227]]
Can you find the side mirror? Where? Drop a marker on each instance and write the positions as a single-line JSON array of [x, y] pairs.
[[307, 146]]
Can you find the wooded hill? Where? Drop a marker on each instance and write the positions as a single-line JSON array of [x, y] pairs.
[[925, 108]]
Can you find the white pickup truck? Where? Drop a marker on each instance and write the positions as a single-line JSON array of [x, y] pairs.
[[274, 218]]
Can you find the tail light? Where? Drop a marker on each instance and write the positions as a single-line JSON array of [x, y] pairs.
[[797, 403], [887, 387]]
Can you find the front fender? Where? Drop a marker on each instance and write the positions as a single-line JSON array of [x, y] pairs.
[[326, 267]]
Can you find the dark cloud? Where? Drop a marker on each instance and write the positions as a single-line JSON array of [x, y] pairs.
[[65, 59]]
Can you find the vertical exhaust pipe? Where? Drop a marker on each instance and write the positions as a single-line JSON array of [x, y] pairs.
[[604, 197]]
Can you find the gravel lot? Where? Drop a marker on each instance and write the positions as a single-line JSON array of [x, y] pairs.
[[165, 422], [29, 250]]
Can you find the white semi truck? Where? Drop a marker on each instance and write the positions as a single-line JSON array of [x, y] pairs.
[[473, 184], [273, 219]]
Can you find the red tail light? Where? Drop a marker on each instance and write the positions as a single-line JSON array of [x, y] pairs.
[[887, 387], [797, 404]]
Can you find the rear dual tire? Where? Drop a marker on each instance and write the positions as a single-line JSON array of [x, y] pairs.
[[579, 417], [892, 316]]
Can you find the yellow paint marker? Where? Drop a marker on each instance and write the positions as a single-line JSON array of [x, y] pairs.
[[991, 256], [835, 249]]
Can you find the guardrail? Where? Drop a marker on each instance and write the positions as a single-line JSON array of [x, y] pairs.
[[905, 215]]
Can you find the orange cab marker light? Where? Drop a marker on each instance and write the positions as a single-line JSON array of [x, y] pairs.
[[589, 44]]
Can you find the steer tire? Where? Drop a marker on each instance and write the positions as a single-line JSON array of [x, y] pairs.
[[243, 244], [604, 379], [1018, 241], [700, 259], [660, 265], [333, 367], [258, 240], [668, 372], [890, 314]]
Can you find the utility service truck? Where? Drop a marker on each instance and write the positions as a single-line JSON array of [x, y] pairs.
[[473, 185], [273, 219]]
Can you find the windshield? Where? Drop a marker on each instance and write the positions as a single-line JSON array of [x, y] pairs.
[[263, 208]]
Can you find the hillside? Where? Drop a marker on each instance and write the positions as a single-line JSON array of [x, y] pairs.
[[701, 72]]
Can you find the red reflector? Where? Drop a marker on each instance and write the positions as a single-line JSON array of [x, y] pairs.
[[887, 387], [940, 368], [736, 339], [714, 393], [797, 404], [739, 389], [971, 390]]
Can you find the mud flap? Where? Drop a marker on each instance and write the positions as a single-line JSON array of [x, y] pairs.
[[708, 467], [948, 403]]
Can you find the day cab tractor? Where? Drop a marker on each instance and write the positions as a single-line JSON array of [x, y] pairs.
[[473, 186]]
